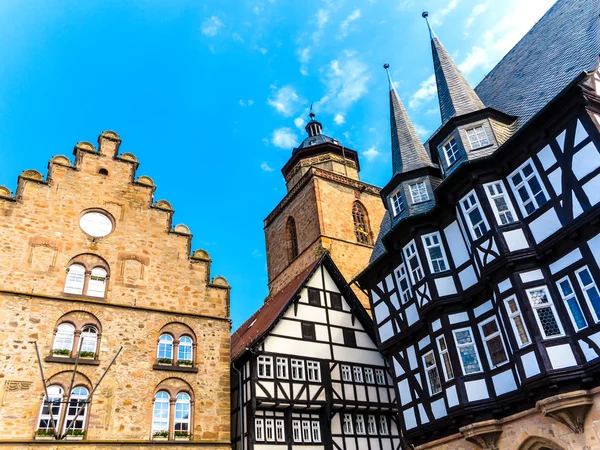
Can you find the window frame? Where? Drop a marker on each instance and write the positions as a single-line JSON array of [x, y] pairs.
[[315, 426], [269, 428], [349, 338], [402, 277], [64, 336], [524, 183], [348, 424], [280, 430], [78, 279], [427, 247], [585, 288], [429, 370], [384, 427], [187, 347], [281, 363], [336, 305], [313, 371], [361, 428], [397, 206], [166, 346], [259, 429], [306, 431], [369, 375], [345, 369], [421, 199], [371, 425], [362, 224], [309, 332], [184, 422], [161, 420], [87, 337], [314, 296], [54, 400], [445, 358], [468, 210], [380, 377], [296, 430], [511, 316], [504, 194], [265, 362], [357, 373], [97, 282], [480, 143], [459, 346], [551, 305], [485, 339], [447, 145], [409, 251], [298, 364], [567, 297]]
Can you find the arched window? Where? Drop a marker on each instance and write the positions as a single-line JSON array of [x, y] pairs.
[[74, 422], [89, 341], [182, 414], [362, 229], [75, 279], [185, 349], [97, 284], [63, 341], [160, 413], [54, 405], [292, 239], [165, 348]]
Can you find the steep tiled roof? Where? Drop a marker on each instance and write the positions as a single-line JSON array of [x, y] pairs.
[[384, 228]]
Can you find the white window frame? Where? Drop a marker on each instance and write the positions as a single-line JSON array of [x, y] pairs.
[[358, 374], [459, 346], [512, 315], [410, 250], [280, 430], [445, 357], [185, 349], [306, 431], [551, 305], [499, 191], [298, 364], [585, 289], [165, 348], [259, 429], [264, 363], [470, 208], [397, 202], [313, 371], [183, 410], [485, 340], [348, 425], [281, 367], [447, 145], [64, 337], [421, 197], [369, 376], [429, 373], [360, 425], [75, 280], [477, 142], [567, 297], [346, 373], [269, 429], [296, 430], [371, 425], [430, 237], [97, 283], [316, 431], [384, 428], [161, 403], [524, 183], [54, 401], [402, 277], [380, 377]]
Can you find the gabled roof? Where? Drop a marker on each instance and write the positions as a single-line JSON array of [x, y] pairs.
[[267, 316]]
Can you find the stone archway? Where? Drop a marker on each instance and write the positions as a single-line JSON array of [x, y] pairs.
[[539, 443]]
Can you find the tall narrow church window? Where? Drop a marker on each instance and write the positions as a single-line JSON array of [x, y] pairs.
[[528, 188], [445, 357], [418, 192], [433, 376], [451, 151], [362, 229], [435, 252], [494, 345], [591, 291], [308, 331], [572, 303], [501, 204], [469, 358], [475, 218], [75, 280], [478, 137], [292, 239], [516, 320], [545, 312]]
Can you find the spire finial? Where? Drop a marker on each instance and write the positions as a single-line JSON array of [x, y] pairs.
[[386, 66], [425, 16], [311, 114]]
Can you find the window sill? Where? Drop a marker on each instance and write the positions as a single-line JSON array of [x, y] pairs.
[[172, 368], [69, 360], [84, 296]]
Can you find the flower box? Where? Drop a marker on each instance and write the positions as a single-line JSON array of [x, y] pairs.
[[160, 438], [74, 437], [43, 437]]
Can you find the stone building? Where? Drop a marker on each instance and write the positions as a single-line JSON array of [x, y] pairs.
[[91, 264], [485, 279], [326, 207]]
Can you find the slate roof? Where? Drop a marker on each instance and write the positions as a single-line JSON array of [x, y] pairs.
[[312, 141]]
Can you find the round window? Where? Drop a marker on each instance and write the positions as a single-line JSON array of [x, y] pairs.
[[96, 224]]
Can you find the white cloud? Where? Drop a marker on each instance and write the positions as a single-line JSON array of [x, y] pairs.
[[346, 80], [426, 92], [304, 55], [439, 16], [421, 130], [476, 11], [210, 27], [244, 103], [299, 122], [286, 101], [355, 15], [264, 166], [284, 138], [371, 153], [321, 19], [339, 119]]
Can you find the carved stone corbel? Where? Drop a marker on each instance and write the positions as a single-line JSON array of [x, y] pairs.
[[570, 409], [484, 434]]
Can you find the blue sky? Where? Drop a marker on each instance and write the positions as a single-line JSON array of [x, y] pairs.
[[212, 96]]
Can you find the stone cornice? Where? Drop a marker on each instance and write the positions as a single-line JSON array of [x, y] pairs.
[[319, 159]]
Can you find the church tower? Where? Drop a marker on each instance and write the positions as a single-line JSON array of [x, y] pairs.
[[326, 208]]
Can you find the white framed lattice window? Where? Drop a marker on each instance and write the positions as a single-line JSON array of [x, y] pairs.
[[348, 427], [97, 283], [371, 425], [433, 375], [259, 429], [436, 255], [516, 321], [280, 430], [181, 421], [346, 373], [476, 221], [445, 358], [414, 262], [451, 151], [477, 137], [590, 290], [75, 279], [270, 430], [380, 377], [383, 426], [160, 413], [89, 339], [265, 366], [397, 202], [316, 430], [51, 409], [358, 374], [403, 283], [296, 434], [185, 349], [78, 400], [369, 376], [545, 312], [313, 371], [306, 431], [282, 367], [165, 347], [500, 202], [360, 424], [493, 342], [297, 369], [418, 192], [64, 338], [528, 188], [467, 351], [572, 303]]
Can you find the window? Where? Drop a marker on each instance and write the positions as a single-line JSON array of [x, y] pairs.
[[369, 378], [259, 429], [418, 192], [403, 284], [348, 424], [181, 422], [397, 202], [494, 346], [516, 320], [316, 431], [265, 367], [65, 335], [97, 284], [383, 426], [477, 137], [165, 348], [528, 188], [306, 433], [77, 400], [346, 373], [590, 290], [297, 369], [314, 297], [414, 264], [270, 429], [160, 413], [362, 229], [380, 377], [280, 430], [435, 252], [308, 331], [545, 312], [360, 424], [445, 357], [96, 224], [282, 367], [185, 349], [474, 215], [371, 425], [435, 385], [572, 303], [469, 358], [336, 301], [292, 239], [89, 341], [296, 431], [358, 374], [313, 370], [349, 338], [54, 401], [501, 204], [451, 151], [75, 280]]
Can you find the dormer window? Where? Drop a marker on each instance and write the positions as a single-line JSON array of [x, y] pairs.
[[477, 137], [451, 151], [418, 192], [397, 202]]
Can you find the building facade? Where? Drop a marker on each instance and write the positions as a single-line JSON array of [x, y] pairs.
[[484, 282], [132, 331]]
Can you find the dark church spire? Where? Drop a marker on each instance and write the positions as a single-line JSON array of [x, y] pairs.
[[455, 94], [313, 127], [408, 153]]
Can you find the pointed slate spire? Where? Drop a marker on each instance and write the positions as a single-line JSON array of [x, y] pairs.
[[455, 94], [408, 153]]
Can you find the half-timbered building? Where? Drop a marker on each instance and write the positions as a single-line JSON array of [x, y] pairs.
[[484, 281], [307, 373]]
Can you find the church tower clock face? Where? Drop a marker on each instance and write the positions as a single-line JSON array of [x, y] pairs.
[[96, 224]]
